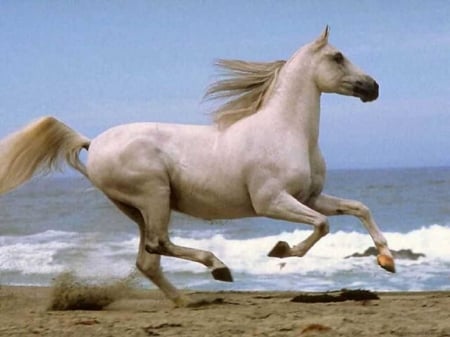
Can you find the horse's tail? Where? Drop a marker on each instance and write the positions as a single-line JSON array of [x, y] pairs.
[[40, 147]]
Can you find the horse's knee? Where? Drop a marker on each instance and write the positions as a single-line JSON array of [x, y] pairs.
[[361, 210]]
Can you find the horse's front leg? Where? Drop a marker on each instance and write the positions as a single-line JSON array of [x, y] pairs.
[[330, 205], [285, 207]]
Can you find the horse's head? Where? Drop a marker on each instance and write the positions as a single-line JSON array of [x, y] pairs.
[[333, 72]]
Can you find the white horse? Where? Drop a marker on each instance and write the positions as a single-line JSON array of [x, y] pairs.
[[260, 158]]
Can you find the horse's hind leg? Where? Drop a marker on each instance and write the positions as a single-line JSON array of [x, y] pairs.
[[149, 264], [219, 270], [157, 216]]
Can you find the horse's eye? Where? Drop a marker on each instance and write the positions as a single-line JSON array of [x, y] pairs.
[[338, 58]]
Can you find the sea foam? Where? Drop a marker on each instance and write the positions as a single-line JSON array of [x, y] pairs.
[[93, 255]]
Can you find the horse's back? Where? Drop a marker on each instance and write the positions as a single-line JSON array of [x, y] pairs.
[[127, 150]]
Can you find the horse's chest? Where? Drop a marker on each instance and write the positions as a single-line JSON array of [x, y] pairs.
[[317, 182], [306, 182]]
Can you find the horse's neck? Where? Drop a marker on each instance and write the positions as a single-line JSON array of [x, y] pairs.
[[296, 104]]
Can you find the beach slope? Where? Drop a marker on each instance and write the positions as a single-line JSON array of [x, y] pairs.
[[23, 312]]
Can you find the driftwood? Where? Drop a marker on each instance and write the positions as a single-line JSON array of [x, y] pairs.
[[337, 296]]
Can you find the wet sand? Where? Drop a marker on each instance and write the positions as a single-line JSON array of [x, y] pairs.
[[23, 312]]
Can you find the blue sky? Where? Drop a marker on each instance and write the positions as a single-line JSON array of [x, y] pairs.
[[95, 64]]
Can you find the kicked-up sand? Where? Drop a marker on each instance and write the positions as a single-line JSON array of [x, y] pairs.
[[24, 312]]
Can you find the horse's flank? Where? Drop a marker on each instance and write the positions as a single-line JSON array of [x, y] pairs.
[[245, 86]]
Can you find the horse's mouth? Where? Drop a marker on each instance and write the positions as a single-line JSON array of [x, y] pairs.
[[367, 92]]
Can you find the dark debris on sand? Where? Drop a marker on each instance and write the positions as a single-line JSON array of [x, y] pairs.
[[339, 296]]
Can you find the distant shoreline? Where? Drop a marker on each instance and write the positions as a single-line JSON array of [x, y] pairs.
[[70, 173]]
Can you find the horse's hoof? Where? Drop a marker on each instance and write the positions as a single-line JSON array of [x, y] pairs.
[[386, 262], [280, 250], [222, 274]]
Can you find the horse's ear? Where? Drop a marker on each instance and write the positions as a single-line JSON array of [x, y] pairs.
[[326, 32], [322, 40]]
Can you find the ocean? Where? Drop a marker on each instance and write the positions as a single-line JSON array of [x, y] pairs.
[[57, 224]]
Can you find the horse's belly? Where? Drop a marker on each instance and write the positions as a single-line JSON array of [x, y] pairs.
[[212, 205]]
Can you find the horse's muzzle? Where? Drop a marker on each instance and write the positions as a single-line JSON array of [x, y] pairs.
[[367, 90]]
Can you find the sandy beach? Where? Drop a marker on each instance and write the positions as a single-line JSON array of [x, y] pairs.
[[24, 312]]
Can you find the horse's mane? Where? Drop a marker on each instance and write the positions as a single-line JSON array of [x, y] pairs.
[[245, 87]]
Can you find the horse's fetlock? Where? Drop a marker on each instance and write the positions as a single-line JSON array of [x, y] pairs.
[[381, 244], [209, 258]]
